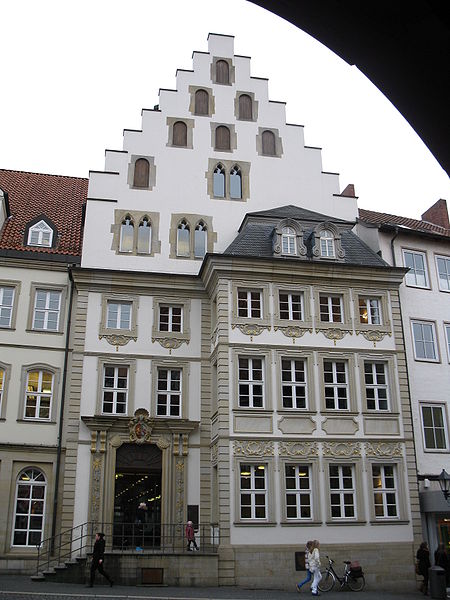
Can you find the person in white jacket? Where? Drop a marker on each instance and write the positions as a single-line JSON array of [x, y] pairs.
[[314, 567]]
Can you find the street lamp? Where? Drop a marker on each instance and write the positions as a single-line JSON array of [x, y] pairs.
[[444, 482]]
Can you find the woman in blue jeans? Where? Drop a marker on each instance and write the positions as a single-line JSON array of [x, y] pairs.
[[308, 549]]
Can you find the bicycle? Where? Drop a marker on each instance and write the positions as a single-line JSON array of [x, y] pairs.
[[329, 577]]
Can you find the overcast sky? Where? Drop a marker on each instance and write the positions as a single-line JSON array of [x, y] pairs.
[[74, 74]]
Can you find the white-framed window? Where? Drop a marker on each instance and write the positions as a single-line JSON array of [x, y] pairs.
[[40, 234], [342, 491], [169, 397], [369, 311], [29, 508], [434, 427], [293, 383], [424, 340], [336, 389], [249, 304], [291, 306], [170, 318], [253, 492], [47, 309], [38, 395], [6, 305], [331, 309], [327, 249], [251, 382], [376, 384], [288, 241], [115, 389], [443, 269], [298, 492], [417, 275], [384, 491], [118, 315], [447, 336]]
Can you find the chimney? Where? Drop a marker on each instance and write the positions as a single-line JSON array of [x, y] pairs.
[[349, 191], [437, 214]]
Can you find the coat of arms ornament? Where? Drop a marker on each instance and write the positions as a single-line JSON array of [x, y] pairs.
[[141, 427]]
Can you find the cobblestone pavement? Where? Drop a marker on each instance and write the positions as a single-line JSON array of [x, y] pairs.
[[22, 588]]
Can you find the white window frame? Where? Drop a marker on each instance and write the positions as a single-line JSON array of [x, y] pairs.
[[290, 305], [376, 386], [303, 495], [446, 288], [253, 491], [251, 300], [40, 395], [251, 382], [447, 338], [330, 307], [171, 323], [327, 244], [370, 310], [411, 275], [118, 324], [33, 481], [115, 389], [423, 323], [4, 308], [170, 392], [342, 491], [292, 384], [335, 385], [288, 241], [41, 228], [443, 412], [47, 310], [384, 491]]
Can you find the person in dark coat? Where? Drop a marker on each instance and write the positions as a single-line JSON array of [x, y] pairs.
[[423, 564], [441, 560], [190, 536], [98, 555]]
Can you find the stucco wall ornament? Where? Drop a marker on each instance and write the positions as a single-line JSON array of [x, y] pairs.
[[342, 449], [333, 333], [117, 339], [298, 449], [163, 443], [292, 331], [171, 343], [253, 448], [140, 426], [95, 489], [383, 449], [179, 504], [250, 329], [373, 336]]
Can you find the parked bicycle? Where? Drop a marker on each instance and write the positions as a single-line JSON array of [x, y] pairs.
[[352, 577]]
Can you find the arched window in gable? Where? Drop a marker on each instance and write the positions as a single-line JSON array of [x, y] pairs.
[[201, 105], [245, 107], [219, 182], [144, 239], [40, 234], [235, 183], [200, 240], [183, 239], [288, 241], [141, 173], [327, 249], [126, 235], [222, 72], [179, 134], [222, 138], [268, 143], [29, 508]]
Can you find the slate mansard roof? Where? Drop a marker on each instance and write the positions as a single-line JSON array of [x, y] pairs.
[[255, 237], [55, 198]]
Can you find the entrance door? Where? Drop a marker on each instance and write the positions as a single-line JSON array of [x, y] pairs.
[[137, 496]]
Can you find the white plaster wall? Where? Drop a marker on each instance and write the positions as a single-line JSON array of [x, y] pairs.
[[82, 485]]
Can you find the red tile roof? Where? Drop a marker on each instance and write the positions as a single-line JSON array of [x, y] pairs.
[[58, 197], [377, 218]]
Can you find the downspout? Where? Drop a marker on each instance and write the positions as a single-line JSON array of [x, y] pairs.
[[61, 411]]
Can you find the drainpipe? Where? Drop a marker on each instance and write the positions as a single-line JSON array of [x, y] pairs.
[[61, 411]]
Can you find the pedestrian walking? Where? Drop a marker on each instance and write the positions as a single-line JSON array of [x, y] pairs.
[[423, 564], [441, 560], [190, 536], [98, 556], [308, 549], [314, 567]]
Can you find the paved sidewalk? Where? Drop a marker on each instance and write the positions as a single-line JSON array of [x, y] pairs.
[[22, 588]]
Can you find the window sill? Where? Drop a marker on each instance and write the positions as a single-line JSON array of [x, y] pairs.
[[436, 450], [247, 409], [433, 361], [36, 421], [300, 523], [296, 412], [46, 331], [255, 523], [389, 522], [347, 522]]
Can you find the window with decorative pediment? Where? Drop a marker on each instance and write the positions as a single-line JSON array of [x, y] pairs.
[[119, 318], [288, 240], [40, 232], [171, 321], [327, 243]]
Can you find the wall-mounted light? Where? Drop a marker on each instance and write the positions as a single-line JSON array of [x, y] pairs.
[[444, 482]]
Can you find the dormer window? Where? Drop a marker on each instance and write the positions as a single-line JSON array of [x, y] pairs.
[[288, 241], [40, 234], [327, 244]]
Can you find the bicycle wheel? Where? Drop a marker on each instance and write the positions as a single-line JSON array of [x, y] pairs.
[[327, 582], [356, 584]]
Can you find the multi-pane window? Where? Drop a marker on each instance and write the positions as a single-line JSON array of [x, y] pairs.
[[330, 308], [327, 244], [434, 430], [291, 306], [384, 491], [29, 508], [6, 305], [115, 390], [288, 241], [253, 491], [443, 266], [40, 235], [424, 340], [417, 275], [335, 384], [342, 492], [47, 307], [38, 395], [249, 304], [375, 380], [170, 318], [369, 311], [251, 382], [118, 315], [183, 239], [293, 378], [168, 401], [298, 491]]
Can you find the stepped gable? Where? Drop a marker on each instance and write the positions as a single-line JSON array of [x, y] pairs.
[[378, 218], [255, 237], [34, 195]]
